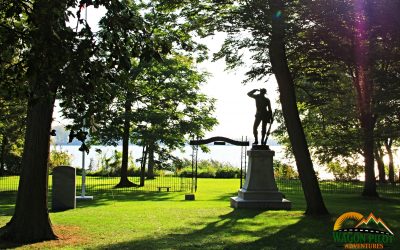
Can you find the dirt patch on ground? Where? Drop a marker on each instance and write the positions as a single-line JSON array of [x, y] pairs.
[[67, 236]]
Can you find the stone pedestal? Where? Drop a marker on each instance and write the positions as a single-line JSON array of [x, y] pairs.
[[260, 190], [64, 192]]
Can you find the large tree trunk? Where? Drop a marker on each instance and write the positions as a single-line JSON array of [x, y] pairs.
[[380, 163], [124, 182], [150, 165], [364, 104], [367, 126], [364, 87], [368, 149], [30, 222], [277, 53], [143, 166], [388, 146]]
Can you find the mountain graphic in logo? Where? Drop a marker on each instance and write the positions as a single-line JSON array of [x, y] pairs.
[[354, 231], [372, 222]]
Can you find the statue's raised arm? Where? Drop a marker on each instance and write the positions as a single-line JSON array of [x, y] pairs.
[[251, 93]]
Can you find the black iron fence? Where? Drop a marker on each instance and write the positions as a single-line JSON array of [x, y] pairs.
[[96, 184], [105, 184], [331, 186]]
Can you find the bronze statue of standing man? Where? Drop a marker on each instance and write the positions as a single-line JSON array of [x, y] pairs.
[[263, 114]]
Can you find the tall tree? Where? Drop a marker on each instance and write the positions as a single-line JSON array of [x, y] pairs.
[[277, 53], [328, 99], [126, 21], [346, 42], [124, 47], [47, 21], [150, 31], [386, 97], [269, 26], [52, 56], [353, 34], [171, 109]]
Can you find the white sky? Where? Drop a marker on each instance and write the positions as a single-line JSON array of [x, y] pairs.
[[234, 109]]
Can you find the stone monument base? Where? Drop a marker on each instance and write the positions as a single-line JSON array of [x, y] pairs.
[[84, 198], [260, 190], [237, 202]]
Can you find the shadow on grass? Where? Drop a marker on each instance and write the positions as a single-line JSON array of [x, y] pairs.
[[103, 198], [307, 233], [8, 199], [250, 229], [239, 230], [7, 203], [223, 197], [8, 245]]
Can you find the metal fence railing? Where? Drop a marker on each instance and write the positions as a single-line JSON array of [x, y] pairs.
[[96, 184], [104, 184], [331, 186]]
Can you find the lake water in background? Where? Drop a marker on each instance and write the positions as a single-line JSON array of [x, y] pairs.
[[228, 154]]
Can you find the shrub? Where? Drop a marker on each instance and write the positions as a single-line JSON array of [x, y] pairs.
[[163, 172], [284, 171], [13, 163], [209, 169], [208, 172], [59, 158], [185, 172], [228, 172], [111, 165], [344, 171]]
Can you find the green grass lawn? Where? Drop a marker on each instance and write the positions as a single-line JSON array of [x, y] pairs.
[[163, 220]]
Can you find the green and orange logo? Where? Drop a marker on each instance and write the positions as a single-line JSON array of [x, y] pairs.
[[353, 231]]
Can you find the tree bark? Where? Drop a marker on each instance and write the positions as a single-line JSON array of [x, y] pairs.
[[364, 86], [143, 166], [367, 126], [380, 163], [124, 182], [150, 165], [31, 222], [388, 146], [280, 68]]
